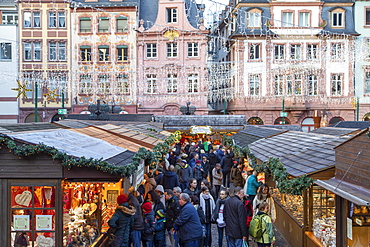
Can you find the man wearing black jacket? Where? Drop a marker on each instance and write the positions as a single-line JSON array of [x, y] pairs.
[[138, 226], [172, 211], [226, 164], [235, 217]]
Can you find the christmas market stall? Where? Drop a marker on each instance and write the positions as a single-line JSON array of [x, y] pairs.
[[295, 160], [350, 189], [59, 192]]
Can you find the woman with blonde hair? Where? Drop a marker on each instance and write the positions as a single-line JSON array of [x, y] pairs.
[[263, 195]]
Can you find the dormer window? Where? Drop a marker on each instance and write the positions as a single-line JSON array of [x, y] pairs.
[[171, 15], [338, 18], [254, 18]]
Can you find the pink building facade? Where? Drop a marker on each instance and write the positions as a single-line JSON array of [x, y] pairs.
[[171, 52]]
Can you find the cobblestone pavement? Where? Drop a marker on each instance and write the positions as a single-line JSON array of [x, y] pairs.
[[280, 241]]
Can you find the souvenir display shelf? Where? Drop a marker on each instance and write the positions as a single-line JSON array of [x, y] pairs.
[[292, 204], [361, 216]]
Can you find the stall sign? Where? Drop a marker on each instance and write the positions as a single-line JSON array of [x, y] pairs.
[[140, 173], [21, 222], [201, 129], [349, 228], [44, 222]]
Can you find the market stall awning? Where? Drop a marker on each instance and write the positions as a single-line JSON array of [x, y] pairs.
[[72, 143], [335, 131], [252, 133], [351, 192]]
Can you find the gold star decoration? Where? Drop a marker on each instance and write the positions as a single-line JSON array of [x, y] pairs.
[[171, 34], [22, 90], [50, 96]]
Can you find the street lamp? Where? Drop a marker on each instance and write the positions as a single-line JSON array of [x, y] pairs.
[[188, 110]]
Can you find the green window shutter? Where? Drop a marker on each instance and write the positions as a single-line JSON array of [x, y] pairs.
[[122, 46]]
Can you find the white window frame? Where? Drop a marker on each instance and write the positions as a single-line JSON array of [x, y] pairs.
[[171, 15], [122, 24], [295, 52], [278, 85], [304, 19], [193, 83], [123, 85], [287, 19], [279, 51], [336, 84], [60, 50], [312, 51], [85, 84], [172, 50], [312, 85], [254, 84], [193, 49], [5, 51], [337, 51], [294, 84], [152, 87], [255, 51], [104, 54], [34, 48], [172, 83], [151, 50], [106, 21], [337, 19], [34, 16], [103, 84], [58, 18], [254, 19]]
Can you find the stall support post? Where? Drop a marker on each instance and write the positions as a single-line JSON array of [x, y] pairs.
[[36, 99]]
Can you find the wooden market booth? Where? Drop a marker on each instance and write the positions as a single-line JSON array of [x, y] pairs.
[[51, 203], [301, 153]]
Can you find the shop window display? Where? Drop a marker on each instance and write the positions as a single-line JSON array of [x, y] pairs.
[[360, 217], [324, 216], [87, 207], [33, 216], [291, 203]]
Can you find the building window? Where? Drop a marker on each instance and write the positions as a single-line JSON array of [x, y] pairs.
[[254, 19], [151, 50], [287, 19], [32, 51], [254, 51], [103, 25], [9, 17], [121, 24], [85, 53], [57, 51], [122, 53], [367, 16], [5, 51], [85, 25], [294, 84], [31, 19], [367, 83], [312, 85], [57, 19], [337, 51], [171, 49], [304, 19], [193, 83], [279, 52], [123, 86], [151, 81], [103, 53], [103, 84], [193, 50], [254, 85], [278, 85], [85, 84], [172, 83], [59, 82], [307, 125], [311, 52], [336, 85], [171, 15], [295, 52], [337, 18]]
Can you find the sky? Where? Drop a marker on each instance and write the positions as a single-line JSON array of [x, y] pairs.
[[212, 6]]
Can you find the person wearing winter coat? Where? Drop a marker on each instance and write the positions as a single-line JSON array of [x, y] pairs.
[[149, 182], [252, 186], [263, 195], [268, 236], [184, 173], [122, 220], [147, 235], [226, 164], [234, 216], [218, 216], [199, 173], [187, 225], [160, 228], [213, 160], [172, 212], [220, 152], [138, 225], [192, 189], [154, 200], [207, 203], [236, 175], [217, 177], [193, 160], [195, 202], [206, 166], [158, 175], [170, 179]]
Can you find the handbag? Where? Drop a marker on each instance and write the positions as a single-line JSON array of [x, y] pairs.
[[106, 239]]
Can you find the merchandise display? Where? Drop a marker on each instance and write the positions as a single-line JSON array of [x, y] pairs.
[[87, 207], [324, 229], [292, 204], [361, 216]]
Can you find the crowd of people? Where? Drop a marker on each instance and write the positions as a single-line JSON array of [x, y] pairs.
[[197, 185]]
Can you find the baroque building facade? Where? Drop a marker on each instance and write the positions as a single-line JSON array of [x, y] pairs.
[[291, 57]]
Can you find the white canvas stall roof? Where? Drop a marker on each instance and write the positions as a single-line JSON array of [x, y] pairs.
[[72, 143]]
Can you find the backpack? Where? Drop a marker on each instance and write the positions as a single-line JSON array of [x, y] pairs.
[[255, 229]]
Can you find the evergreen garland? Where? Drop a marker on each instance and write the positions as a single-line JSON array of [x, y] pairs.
[[159, 151], [284, 182]]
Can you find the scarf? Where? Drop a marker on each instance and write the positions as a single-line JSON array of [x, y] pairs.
[[202, 202]]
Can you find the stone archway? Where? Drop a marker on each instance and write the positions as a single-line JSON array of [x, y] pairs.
[[171, 110]]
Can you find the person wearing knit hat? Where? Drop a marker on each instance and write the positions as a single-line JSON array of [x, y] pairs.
[[147, 235], [160, 228], [122, 220]]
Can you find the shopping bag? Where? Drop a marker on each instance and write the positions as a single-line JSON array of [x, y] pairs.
[[245, 243]]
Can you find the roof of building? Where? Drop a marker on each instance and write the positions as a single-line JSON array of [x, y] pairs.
[[21, 127], [353, 124], [284, 127], [252, 133], [335, 131], [300, 152], [105, 3], [349, 25]]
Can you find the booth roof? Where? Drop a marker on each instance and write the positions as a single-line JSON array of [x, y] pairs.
[[335, 131], [351, 192], [72, 143], [252, 133]]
